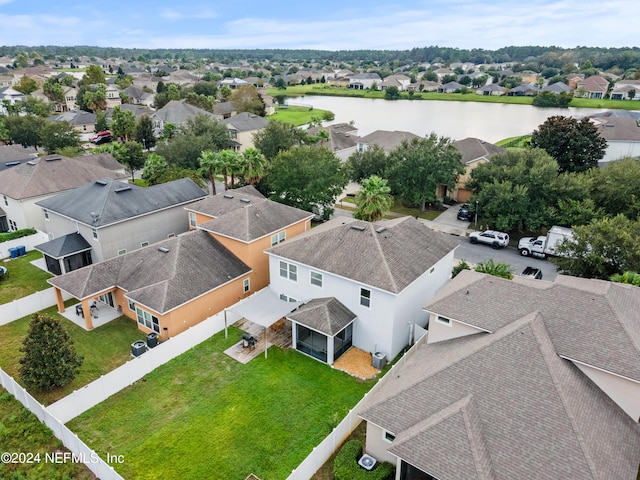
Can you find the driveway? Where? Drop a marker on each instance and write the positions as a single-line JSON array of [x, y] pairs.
[[448, 223]]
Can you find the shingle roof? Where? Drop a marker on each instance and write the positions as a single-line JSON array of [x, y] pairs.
[[474, 149], [386, 139], [388, 255], [325, 315], [193, 264], [246, 122], [108, 201], [63, 246], [50, 174], [178, 112], [527, 408]]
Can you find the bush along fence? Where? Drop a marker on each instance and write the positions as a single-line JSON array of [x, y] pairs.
[[80, 452], [27, 238]]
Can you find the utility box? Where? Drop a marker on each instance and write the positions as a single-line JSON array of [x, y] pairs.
[[378, 360], [152, 339], [138, 348]]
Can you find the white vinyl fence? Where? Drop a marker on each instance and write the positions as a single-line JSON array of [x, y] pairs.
[[24, 306], [322, 452], [79, 451], [29, 242], [99, 390]]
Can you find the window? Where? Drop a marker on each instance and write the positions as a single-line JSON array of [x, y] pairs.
[[389, 437], [148, 320], [144, 244], [279, 237], [288, 270], [46, 213], [192, 219], [13, 226], [316, 279], [132, 305], [51, 236], [284, 298], [122, 251], [246, 285], [6, 201], [443, 321], [94, 232], [365, 297]]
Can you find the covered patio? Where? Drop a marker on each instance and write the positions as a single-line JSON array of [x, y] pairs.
[[100, 315]]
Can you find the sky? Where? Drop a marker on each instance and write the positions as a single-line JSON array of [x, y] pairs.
[[321, 25]]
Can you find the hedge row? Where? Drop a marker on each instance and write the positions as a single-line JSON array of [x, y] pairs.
[[6, 236], [345, 465]]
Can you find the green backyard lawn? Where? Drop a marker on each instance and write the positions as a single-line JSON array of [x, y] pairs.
[[205, 415], [296, 115], [22, 278], [104, 348]]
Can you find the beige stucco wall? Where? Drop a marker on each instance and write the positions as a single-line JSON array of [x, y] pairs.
[[439, 332], [623, 391], [376, 445]]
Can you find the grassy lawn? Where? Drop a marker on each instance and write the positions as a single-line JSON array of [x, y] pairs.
[[296, 115], [322, 89], [21, 431], [204, 412], [104, 348], [22, 278], [430, 213]]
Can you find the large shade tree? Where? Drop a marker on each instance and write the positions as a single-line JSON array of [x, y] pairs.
[[575, 144], [56, 135], [277, 137], [372, 161], [420, 166], [308, 178]]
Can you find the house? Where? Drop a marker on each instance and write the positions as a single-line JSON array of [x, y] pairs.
[[524, 89], [621, 130], [558, 87], [113, 96], [70, 99], [626, 90], [81, 121], [365, 81], [363, 283], [514, 380], [224, 109], [474, 152], [106, 218], [573, 79], [247, 223], [11, 96], [177, 113], [401, 82], [528, 76], [232, 83], [343, 139], [166, 287], [242, 127], [385, 139], [491, 89], [443, 72], [424, 86], [137, 96], [594, 86], [21, 186], [450, 87]]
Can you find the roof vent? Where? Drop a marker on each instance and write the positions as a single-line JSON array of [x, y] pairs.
[[31, 163], [245, 200], [380, 229], [226, 195], [101, 182], [360, 228], [122, 189], [53, 159], [11, 164], [163, 249]]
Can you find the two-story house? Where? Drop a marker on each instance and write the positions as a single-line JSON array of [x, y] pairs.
[[380, 275], [365, 81], [516, 379], [474, 152], [242, 127], [106, 218]]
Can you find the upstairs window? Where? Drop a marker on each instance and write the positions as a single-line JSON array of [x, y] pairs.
[[365, 297]]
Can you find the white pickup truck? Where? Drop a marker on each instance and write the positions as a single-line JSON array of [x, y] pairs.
[[544, 245]]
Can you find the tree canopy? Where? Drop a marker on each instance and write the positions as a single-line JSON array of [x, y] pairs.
[[373, 199], [361, 165], [277, 137]]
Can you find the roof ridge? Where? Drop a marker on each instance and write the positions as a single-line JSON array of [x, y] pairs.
[[625, 327], [387, 269]]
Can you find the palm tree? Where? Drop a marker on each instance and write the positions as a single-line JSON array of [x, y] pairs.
[[230, 160], [253, 165], [373, 199], [502, 269], [210, 164]]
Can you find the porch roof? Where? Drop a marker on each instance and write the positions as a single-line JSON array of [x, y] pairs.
[[264, 308], [325, 315], [64, 246]]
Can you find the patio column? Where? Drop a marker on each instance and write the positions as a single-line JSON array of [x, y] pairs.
[[59, 300], [86, 312]]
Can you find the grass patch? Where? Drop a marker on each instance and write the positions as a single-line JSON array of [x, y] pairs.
[[204, 412], [103, 348], [431, 213], [22, 278], [296, 115], [21, 431]]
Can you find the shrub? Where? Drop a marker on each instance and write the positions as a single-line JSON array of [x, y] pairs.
[[6, 236], [345, 465]]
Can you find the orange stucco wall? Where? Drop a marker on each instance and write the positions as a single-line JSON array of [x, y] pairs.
[[200, 219]]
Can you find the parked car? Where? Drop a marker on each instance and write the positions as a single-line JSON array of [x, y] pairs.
[[490, 237], [464, 213], [102, 137]]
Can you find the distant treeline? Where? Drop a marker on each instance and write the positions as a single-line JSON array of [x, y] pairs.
[[601, 58]]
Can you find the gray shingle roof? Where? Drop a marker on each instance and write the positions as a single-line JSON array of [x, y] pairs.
[[325, 315], [526, 408], [112, 201], [195, 263], [490, 303], [178, 112], [474, 149], [386, 139], [51, 174], [63, 246], [388, 255], [246, 122]]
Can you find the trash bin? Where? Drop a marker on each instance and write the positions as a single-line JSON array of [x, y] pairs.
[[138, 348], [152, 339], [22, 250], [378, 360], [13, 252]]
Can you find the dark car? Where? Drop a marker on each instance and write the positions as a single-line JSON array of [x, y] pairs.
[[464, 213]]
